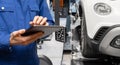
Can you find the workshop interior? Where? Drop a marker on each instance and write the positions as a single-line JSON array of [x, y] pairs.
[[86, 32]]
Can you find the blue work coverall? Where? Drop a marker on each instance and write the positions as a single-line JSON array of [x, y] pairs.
[[16, 15]]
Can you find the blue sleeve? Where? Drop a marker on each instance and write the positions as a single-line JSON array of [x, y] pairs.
[[45, 12]]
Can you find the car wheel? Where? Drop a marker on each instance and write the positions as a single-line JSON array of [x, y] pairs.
[[86, 49]]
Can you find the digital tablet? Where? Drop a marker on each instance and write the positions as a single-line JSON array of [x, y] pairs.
[[47, 30]]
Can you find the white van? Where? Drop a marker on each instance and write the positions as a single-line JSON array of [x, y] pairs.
[[100, 28]]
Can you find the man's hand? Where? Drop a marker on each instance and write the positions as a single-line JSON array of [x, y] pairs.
[[39, 20], [17, 39]]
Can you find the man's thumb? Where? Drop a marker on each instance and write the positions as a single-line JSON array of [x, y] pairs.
[[21, 31]]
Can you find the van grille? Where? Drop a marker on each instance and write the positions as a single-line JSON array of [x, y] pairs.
[[100, 33]]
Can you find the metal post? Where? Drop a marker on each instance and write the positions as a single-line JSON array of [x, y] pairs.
[[57, 6]]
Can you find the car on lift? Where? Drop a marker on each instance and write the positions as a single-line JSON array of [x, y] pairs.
[[100, 28]]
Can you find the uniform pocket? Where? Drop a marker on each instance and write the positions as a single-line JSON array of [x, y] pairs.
[[7, 15], [6, 9], [6, 6], [34, 10]]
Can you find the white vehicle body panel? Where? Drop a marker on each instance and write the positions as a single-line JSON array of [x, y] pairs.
[[94, 21]]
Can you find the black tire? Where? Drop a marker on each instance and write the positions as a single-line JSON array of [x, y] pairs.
[[86, 47]]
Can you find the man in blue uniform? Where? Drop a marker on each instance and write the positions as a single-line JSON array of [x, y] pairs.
[[15, 17]]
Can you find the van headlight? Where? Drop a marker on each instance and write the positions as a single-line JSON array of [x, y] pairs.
[[102, 9]]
